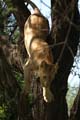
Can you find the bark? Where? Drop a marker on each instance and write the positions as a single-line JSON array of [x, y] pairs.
[[7, 79], [63, 30], [12, 53], [21, 14], [9, 86]]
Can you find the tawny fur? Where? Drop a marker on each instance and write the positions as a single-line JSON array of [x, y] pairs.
[[36, 26], [40, 61]]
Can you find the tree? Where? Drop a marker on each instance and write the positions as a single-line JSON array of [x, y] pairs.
[[64, 39], [63, 31]]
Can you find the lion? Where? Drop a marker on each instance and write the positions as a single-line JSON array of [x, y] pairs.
[[36, 26], [40, 60], [40, 63]]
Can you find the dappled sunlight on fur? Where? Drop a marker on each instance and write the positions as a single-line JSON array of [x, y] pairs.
[[40, 60]]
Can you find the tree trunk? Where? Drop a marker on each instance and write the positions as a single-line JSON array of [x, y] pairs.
[[7, 80], [65, 38], [21, 14]]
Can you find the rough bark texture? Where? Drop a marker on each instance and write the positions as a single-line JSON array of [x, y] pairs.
[[7, 79], [62, 31], [9, 86], [12, 53], [21, 14]]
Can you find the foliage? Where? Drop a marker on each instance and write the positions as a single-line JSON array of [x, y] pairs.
[[8, 106], [8, 23], [8, 110], [2, 113], [19, 78]]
